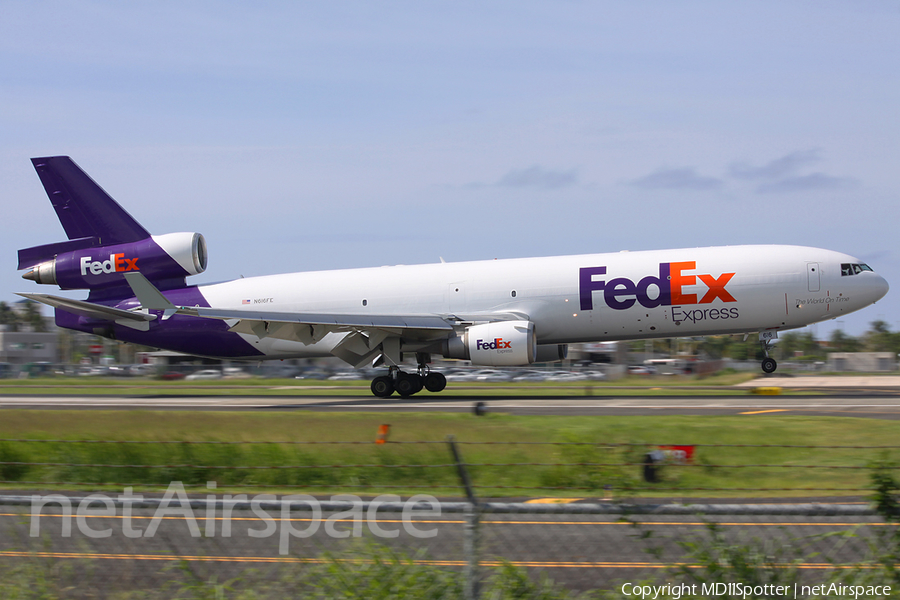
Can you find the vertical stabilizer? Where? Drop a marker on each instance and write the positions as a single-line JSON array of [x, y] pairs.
[[83, 208]]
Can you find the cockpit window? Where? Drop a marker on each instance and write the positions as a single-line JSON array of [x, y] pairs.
[[853, 269]]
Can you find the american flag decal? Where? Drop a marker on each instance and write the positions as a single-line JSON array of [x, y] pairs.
[[245, 302]]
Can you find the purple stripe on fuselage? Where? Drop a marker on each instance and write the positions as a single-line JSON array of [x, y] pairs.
[[180, 333]]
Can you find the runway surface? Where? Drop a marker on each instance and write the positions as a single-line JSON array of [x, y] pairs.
[[869, 405], [110, 551]]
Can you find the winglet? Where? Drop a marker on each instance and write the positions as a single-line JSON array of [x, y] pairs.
[[148, 295]]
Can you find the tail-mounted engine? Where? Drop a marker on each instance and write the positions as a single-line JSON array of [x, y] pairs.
[[85, 264]]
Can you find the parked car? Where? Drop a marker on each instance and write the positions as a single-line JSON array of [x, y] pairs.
[[141, 370], [460, 375], [204, 374], [93, 371], [235, 373], [531, 376], [171, 376], [594, 375], [117, 371], [492, 375], [567, 376], [346, 376], [316, 374]]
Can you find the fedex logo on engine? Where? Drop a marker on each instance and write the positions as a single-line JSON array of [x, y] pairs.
[[495, 344], [621, 293], [117, 263]]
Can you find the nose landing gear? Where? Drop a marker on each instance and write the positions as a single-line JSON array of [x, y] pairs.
[[768, 364]]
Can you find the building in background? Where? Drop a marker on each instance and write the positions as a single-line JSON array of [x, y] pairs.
[[869, 362], [24, 347]]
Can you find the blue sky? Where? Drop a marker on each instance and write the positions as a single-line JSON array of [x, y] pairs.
[[301, 136]]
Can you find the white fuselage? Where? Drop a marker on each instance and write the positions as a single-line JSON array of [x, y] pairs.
[[584, 298]]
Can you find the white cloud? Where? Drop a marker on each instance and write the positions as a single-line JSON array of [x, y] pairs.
[[778, 168], [539, 177], [685, 178]]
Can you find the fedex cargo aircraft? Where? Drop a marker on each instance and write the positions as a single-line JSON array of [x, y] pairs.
[[496, 312]]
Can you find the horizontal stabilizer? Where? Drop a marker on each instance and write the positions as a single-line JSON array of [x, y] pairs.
[[89, 309], [84, 209], [30, 257]]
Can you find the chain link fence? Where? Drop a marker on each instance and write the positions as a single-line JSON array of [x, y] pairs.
[[224, 522]]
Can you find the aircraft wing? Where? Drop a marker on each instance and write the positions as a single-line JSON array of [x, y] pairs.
[[348, 321], [367, 335]]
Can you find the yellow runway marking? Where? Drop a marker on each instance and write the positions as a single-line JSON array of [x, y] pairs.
[[201, 519], [552, 500], [435, 562], [759, 412]]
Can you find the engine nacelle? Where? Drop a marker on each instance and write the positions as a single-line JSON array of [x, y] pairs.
[[503, 343], [159, 257]]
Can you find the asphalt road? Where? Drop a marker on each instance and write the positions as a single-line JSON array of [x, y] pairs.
[[578, 551], [876, 405]]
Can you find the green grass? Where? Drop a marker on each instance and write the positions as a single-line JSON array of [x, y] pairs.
[[393, 467]]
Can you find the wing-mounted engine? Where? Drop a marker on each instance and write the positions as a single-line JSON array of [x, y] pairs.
[[501, 343], [87, 264]]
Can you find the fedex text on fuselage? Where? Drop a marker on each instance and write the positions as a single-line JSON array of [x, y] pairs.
[[664, 289]]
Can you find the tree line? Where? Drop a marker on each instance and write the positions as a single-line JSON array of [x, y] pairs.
[[802, 345], [30, 316]]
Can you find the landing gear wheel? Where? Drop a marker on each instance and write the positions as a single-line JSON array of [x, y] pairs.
[[769, 365], [408, 384], [435, 382], [382, 386]]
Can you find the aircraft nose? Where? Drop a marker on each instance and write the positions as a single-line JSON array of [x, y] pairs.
[[878, 288]]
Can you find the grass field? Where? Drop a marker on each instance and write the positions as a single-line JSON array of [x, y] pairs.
[[511, 455]]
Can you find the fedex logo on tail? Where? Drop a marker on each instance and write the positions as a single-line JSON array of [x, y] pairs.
[[666, 289], [117, 263]]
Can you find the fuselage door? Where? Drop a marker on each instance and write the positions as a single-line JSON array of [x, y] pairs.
[[812, 272]]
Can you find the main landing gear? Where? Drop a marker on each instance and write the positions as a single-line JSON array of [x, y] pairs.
[[407, 384], [768, 364]]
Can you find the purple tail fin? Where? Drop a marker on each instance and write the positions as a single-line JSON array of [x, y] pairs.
[[83, 208], [104, 241]]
